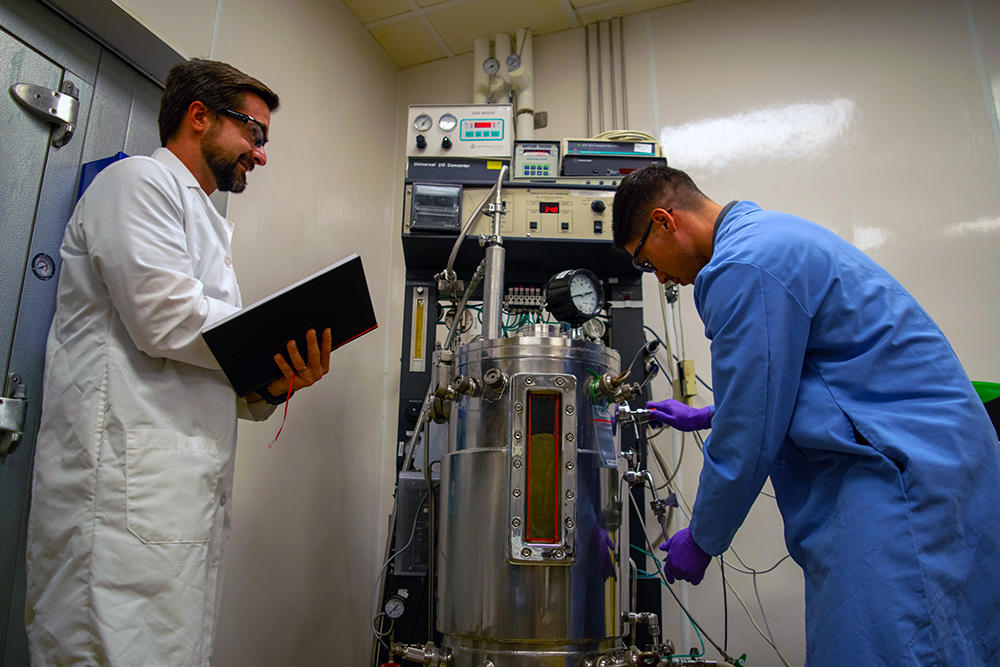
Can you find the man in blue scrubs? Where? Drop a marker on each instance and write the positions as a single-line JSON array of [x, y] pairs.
[[830, 378]]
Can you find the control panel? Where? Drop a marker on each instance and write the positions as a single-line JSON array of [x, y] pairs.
[[464, 131], [590, 158], [532, 212], [534, 160]]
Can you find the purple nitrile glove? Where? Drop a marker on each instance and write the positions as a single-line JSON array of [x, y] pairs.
[[680, 416], [685, 559]]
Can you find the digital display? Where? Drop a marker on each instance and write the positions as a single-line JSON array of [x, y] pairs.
[[480, 124], [548, 207]]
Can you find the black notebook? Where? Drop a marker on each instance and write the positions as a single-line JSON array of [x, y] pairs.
[[245, 343]]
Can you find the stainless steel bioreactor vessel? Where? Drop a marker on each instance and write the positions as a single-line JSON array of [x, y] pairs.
[[528, 500], [513, 551]]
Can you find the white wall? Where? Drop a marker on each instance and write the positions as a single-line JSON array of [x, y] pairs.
[[309, 510], [877, 120]]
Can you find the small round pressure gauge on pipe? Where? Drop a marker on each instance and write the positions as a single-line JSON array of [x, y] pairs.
[[394, 607], [447, 122], [574, 296], [423, 122], [594, 329]]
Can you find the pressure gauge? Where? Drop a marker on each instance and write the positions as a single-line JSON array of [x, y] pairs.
[[447, 122], [423, 122], [491, 66], [594, 329], [513, 62], [574, 296], [394, 607]]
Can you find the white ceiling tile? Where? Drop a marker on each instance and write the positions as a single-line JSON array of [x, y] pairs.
[[459, 24], [367, 11], [606, 9], [413, 32], [408, 42]]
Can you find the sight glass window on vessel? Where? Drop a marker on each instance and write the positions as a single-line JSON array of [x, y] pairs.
[[544, 411]]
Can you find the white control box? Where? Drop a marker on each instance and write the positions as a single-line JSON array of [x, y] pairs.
[[461, 131]]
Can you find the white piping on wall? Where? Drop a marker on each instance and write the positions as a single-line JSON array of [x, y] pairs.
[[480, 79], [494, 89], [522, 82], [500, 85]]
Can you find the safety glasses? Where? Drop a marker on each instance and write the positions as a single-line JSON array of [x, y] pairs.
[[257, 129], [644, 266]]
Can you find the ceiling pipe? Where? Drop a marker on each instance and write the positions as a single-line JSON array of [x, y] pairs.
[[590, 94], [600, 82], [500, 86], [611, 71], [480, 77], [523, 84], [621, 45]]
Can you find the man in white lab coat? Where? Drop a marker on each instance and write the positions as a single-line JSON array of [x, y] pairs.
[[134, 458]]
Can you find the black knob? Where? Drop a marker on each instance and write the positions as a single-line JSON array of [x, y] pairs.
[[446, 143], [597, 206], [421, 141]]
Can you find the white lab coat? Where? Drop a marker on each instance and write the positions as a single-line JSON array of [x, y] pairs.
[[134, 458]]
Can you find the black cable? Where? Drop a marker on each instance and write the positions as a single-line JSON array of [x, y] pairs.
[[725, 606], [643, 349], [658, 431], [663, 578], [420, 605], [657, 336], [701, 445]]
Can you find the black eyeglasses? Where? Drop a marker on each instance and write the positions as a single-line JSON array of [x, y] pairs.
[[645, 267], [257, 128]]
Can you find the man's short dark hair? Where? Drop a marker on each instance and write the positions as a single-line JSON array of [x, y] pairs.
[[216, 85], [642, 191]]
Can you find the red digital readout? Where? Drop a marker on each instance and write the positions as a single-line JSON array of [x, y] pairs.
[[481, 124], [546, 207]]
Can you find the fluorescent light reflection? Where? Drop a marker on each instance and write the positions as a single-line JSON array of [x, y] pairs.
[[793, 131], [869, 238], [981, 226]]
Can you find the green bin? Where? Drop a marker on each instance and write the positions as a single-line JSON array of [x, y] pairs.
[[989, 392]]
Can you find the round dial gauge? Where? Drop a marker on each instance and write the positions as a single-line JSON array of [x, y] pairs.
[[447, 122], [574, 296], [394, 607], [513, 62], [586, 292], [594, 329], [423, 122], [491, 65]]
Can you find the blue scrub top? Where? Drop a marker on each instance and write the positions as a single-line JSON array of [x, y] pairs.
[[831, 378]]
